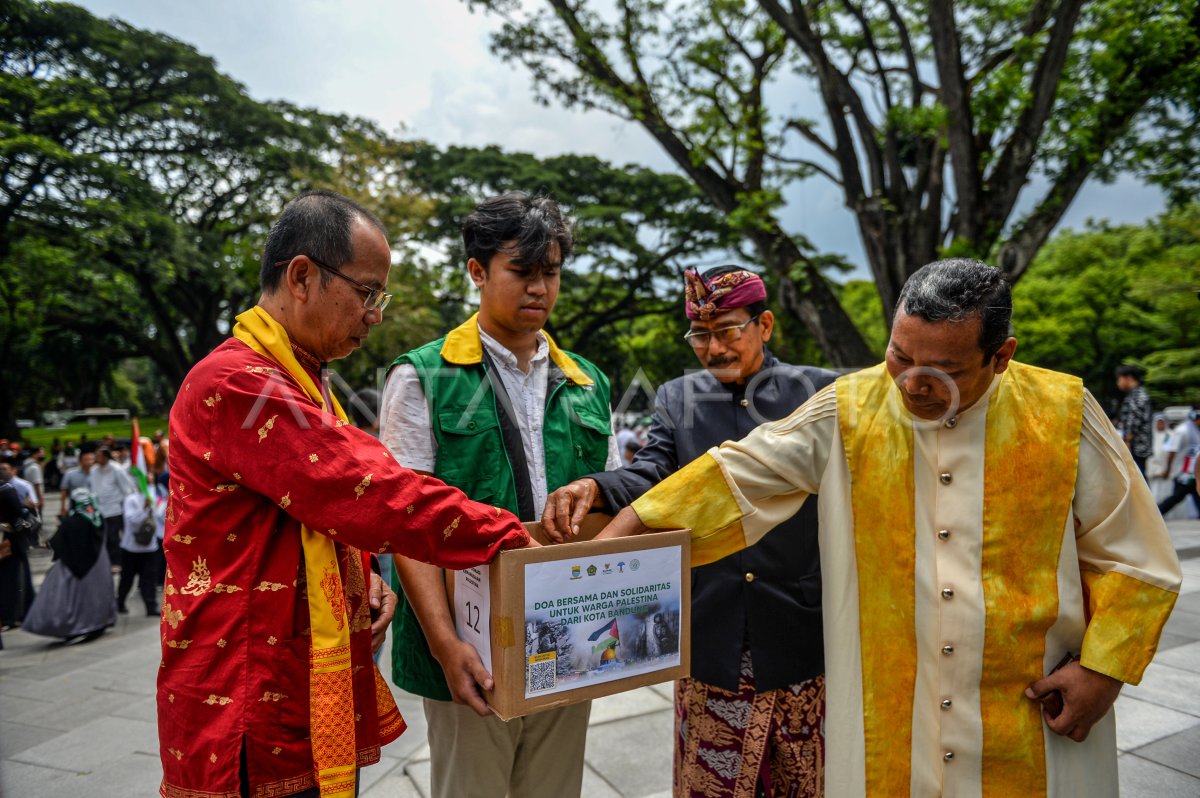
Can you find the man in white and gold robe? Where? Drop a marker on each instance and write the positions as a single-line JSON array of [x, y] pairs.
[[981, 522]]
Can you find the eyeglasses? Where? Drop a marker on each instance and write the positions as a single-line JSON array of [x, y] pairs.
[[376, 298], [700, 339]]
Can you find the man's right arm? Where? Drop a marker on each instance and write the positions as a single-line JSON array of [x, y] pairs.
[[266, 435], [125, 481], [653, 463]]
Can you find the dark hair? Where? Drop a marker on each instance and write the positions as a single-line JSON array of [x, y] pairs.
[[534, 224], [755, 309], [318, 224], [1128, 370], [958, 289]]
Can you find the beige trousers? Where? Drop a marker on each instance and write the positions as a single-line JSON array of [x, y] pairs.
[[538, 756]]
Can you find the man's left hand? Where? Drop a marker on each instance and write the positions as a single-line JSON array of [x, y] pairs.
[[1087, 696], [383, 608]]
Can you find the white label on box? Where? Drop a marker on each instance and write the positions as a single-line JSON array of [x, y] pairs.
[[473, 611], [602, 618]]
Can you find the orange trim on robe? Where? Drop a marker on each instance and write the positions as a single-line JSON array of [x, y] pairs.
[[1121, 609], [330, 695]]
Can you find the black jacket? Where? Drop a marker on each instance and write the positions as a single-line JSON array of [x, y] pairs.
[[777, 609]]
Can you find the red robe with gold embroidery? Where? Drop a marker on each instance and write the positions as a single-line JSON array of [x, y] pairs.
[[251, 458]]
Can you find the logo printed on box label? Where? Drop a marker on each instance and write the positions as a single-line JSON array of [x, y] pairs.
[[541, 672], [579, 633]]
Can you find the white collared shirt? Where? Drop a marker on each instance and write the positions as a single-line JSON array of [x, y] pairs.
[[111, 485], [406, 429]]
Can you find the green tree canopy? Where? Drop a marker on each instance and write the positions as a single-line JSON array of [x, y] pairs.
[[959, 128], [1099, 298], [1110, 295], [136, 183], [637, 230]]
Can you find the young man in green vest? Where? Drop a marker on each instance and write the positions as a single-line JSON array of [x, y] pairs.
[[496, 409]]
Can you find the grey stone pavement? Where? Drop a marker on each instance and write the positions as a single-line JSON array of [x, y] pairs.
[[79, 721]]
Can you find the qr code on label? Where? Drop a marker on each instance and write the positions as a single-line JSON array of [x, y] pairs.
[[542, 672]]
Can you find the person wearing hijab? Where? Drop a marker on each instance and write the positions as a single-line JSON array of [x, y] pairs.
[[1156, 466], [77, 598]]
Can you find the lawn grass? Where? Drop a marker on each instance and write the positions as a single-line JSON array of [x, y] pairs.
[[44, 436]]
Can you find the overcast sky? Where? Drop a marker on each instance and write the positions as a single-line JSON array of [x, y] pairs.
[[425, 64]]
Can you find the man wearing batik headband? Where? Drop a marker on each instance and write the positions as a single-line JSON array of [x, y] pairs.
[[757, 689]]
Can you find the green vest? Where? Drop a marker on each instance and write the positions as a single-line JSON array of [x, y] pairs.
[[471, 431]]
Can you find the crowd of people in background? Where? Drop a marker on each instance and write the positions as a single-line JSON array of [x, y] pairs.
[[1165, 447], [1164, 444], [107, 522]]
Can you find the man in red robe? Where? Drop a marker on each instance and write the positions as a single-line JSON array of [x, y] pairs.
[[267, 687]]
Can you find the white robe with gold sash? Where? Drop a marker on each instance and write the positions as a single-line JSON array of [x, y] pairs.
[[967, 604]]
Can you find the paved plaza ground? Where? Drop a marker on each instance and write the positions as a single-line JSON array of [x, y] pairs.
[[79, 720]]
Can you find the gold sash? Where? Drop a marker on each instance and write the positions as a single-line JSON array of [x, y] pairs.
[[330, 689], [1031, 455]]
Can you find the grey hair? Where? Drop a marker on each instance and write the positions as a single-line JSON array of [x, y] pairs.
[[959, 289], [318, 224]]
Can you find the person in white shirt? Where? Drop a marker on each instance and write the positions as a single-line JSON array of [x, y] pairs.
[[111, 485], [121, 457], [139, 549], [1183, 450], [25, 491]]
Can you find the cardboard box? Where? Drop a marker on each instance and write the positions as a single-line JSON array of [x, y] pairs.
[[570, 622]]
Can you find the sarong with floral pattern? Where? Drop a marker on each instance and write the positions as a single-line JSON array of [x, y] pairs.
[[749, 744]]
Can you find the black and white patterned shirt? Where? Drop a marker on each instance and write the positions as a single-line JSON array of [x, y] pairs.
[[1135, 420]]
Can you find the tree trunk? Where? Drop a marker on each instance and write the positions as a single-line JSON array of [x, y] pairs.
[[896, 245], [813, 303]]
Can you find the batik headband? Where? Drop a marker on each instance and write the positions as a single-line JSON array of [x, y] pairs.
[[723, 292]]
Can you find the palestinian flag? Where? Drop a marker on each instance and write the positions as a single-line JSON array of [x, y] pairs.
[[605, 638], [139, 467]]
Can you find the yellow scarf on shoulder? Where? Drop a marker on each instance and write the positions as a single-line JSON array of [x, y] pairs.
[[330, 687]]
